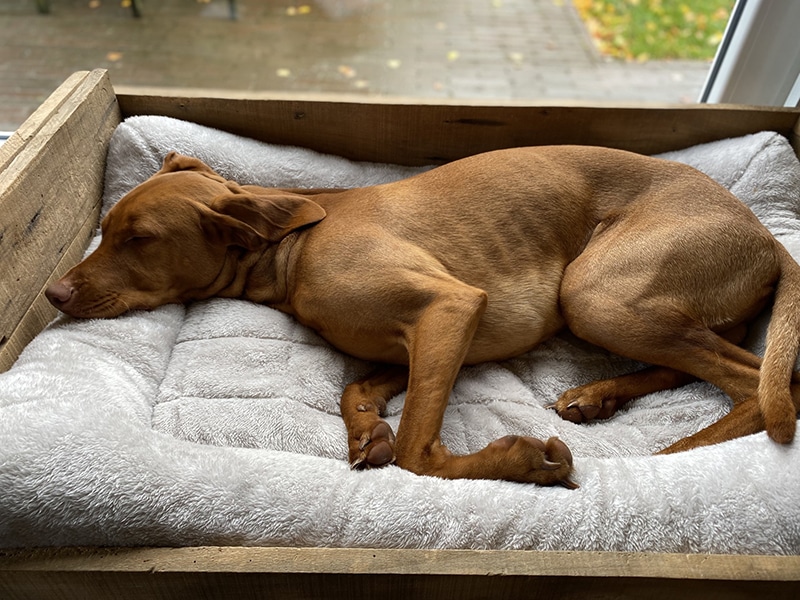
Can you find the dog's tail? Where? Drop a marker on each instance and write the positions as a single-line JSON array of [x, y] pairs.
[[783, 344]]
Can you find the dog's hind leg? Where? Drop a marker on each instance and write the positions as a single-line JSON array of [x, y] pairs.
[[744, 419], [654, 292], [662, 335], [603, 398]]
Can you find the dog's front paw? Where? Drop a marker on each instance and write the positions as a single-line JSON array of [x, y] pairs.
[[373, 448], [528, 460]]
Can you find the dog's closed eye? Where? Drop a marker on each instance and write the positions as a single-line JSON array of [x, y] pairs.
[[138, 241]]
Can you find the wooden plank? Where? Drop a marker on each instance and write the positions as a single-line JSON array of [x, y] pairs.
[[242, 586], [398, 131], [340, 573], [50, 195], [41, 312], [220, 559]]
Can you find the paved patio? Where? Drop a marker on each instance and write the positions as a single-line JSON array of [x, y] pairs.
[[465, 49]]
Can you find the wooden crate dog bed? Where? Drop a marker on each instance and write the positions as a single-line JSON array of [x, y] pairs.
[[217, 424]]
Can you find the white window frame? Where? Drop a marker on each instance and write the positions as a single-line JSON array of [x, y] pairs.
[[758, 60]]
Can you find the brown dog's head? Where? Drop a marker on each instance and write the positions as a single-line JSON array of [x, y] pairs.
[[179, 236]]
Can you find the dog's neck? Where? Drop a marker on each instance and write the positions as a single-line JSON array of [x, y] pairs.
[[265, 277]]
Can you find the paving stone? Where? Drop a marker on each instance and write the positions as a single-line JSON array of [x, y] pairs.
[[467, 49]]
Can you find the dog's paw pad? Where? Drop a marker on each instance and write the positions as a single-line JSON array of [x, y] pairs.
[[557, 451], [581, 405], [374, 449], [572, 412], [380, 454]]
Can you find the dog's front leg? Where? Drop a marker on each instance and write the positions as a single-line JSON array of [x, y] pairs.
[[370, 438], [438, 342]]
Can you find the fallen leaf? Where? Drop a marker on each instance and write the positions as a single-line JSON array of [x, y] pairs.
[[94, 4], [348, 72], [114, 56], [283, 73]]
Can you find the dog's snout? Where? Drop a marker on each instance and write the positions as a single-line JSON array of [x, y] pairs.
[[58, 293]]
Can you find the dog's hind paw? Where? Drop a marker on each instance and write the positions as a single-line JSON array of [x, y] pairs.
[[374, 448], [584, 404]]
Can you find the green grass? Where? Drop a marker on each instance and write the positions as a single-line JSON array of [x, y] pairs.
[[656, 29]]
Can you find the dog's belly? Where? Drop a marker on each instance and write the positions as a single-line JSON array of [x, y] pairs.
[[509, 329], [494, 340], [522, 308], [521, 312]]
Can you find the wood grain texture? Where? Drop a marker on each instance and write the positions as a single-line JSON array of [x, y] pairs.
[[220, 559], [50, 192], [401, 132], [226, 572]]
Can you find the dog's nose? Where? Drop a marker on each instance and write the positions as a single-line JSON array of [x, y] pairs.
[[58, 293]]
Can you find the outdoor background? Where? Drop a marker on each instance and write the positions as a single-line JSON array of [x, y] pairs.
[[534, 50]]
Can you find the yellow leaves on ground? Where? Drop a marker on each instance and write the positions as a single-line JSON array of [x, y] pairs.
[[294, 11], [123, 3], [659, 29]]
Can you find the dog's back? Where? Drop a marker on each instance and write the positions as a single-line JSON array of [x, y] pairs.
[[504, 223]]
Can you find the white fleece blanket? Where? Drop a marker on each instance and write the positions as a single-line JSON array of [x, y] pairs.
[[218, 423]]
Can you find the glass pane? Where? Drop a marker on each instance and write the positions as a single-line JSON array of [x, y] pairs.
[[584, 50]]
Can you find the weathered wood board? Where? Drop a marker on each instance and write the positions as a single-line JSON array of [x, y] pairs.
[[50, 190], [413, 133], [225, 572]]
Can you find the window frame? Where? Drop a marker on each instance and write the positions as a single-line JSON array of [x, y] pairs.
[[758, 60]]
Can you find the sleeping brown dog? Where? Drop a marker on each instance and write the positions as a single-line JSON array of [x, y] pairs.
[[477, 260]]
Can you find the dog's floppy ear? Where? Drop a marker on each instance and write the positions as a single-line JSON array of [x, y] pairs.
[[178, 162], [224, 230], [273, 216]]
